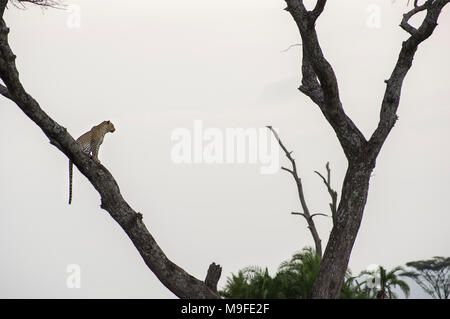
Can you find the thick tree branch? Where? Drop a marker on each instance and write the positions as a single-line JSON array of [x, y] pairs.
[[4, 91], [173, 277], [319, 80], [318, 9], [391, 100], [306, 214], [405, 25], [213, 276], [42, 3]]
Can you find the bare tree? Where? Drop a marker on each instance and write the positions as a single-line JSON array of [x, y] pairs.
[[172, 276], [298, 182], [319, 83]]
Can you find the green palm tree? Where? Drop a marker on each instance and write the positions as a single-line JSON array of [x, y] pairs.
[[298, 274], [388, 281], [236, 287], [352, 289], [294, 279], [260, 282], [252, 282]]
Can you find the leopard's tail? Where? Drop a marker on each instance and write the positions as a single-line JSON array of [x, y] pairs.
[[70, 181]]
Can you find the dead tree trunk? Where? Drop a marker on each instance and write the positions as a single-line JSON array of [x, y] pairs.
[[319, 83]]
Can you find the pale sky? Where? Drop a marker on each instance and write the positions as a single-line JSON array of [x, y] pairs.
[[152, 67]]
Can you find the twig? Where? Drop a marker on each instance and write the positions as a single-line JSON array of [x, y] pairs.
[[331, 191], [291, 46]]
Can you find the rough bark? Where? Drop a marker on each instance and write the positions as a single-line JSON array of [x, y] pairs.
[[343, 234], [320, 84], [213, 276], [172, 276]]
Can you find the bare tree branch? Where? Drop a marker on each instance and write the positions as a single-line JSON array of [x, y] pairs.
[[301, 214], [213, 276], [306, 214], [319, 80], [172, 276], [291, 46], [331, 191], [318, 9], [21, 4], [4, 91], [310, 217], [42, 3], [405, 25], [319, 214], [391, 100]]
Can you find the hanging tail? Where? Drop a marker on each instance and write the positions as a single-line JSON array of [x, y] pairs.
[[70, 181]]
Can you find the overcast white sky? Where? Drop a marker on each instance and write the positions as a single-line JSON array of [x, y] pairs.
[[154, 66]]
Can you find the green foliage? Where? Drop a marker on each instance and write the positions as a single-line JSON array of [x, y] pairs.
[[297, 274], [352, 289], [252, 282], [293, 280], [388, 280]]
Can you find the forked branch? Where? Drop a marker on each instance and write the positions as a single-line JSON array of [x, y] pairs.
[[298, 182], [331, 191], [391, 100], [405, 25]]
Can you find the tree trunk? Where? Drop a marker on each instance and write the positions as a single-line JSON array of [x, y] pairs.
[[346, 225], [319, 83]]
